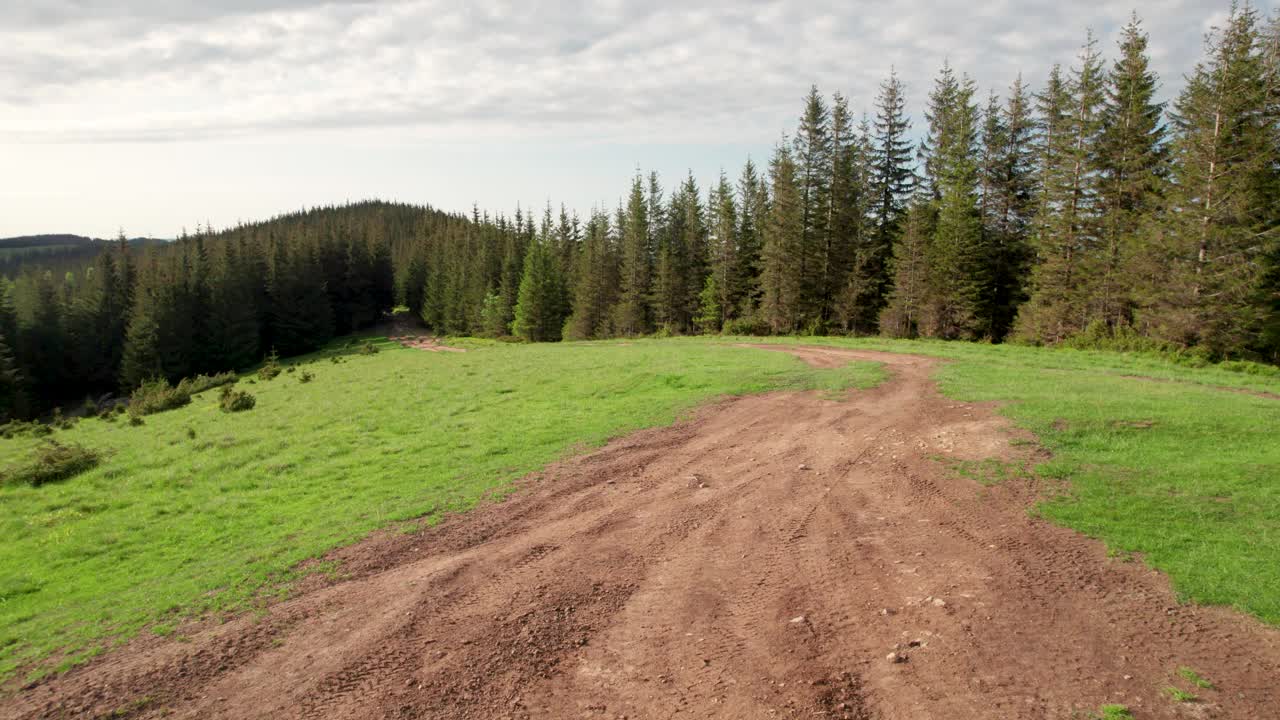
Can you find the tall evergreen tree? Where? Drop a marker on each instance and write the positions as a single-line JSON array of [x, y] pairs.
[[782, 285], [538, 314], [1069, 224], [632, 314], [1218, 221], [726, 265], [892, 177], [1131, 163]]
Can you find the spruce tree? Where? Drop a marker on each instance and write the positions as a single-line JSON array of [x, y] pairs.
[[892, 177], [538, 316], [726, 265], [958, 304], [813, 154], [632, 313], [902, 315], [781, 303], [1218, 222], [1131, 163], [1008, 190], [1066, 244]]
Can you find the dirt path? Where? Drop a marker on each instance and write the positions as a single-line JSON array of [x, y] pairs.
[[762, 560]]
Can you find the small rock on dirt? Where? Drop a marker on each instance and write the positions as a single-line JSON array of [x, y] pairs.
[[896, 658]]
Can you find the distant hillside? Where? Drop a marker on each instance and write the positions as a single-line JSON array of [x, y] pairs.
[[58, 252]]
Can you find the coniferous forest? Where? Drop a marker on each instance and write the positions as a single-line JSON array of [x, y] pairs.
[[1082, 212]]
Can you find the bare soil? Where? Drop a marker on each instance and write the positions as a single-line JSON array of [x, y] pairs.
[[781, 555]]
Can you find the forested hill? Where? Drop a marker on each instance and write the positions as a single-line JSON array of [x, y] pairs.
[[56, 253], [1083, 212]]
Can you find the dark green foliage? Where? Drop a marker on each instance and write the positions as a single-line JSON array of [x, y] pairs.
[[200, 383], [233, 400], [306, 376], [53, 462], [270, 366], [539, 312], [157, 395], [368, 348]]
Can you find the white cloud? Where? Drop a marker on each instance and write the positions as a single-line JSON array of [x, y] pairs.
[[151, 70]]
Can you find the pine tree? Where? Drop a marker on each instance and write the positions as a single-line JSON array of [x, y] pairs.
[[845, 213], [597, 284], [1214, 232], [726, 265], [781, 304], [1066, 267], [892, 177], [632, 314], [538, 316], [813, 153], [753, 203], [1008, 188], [902, 315], [960, 270], [1131, 162]]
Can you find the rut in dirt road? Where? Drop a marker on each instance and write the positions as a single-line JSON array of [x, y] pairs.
[[762, 560]]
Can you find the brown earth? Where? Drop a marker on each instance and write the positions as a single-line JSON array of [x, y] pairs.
[[761, 560]]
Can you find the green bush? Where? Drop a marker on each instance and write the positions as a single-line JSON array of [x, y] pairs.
[[236, 400], [157, 396], [52, 462], [368, 349], [200, 383], [306, 376], [748, 324], [270, 367], [18, 428]]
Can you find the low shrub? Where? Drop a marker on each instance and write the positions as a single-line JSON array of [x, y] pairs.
[[270, 367], [157, 396], [368, 349], [306, 376], [748, 324], [236, 400], [200, 383], [53, 462], [18, 428]]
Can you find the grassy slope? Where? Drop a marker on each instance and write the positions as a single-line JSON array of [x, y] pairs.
[[1183, 472], [172, 524]]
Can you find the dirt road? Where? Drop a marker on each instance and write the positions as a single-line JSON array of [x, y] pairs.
[[762, 560]]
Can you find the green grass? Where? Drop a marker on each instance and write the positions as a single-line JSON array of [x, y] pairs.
[[1194, 678], [1185, 472], [1180, 696], [1114, 712], [200, 511]]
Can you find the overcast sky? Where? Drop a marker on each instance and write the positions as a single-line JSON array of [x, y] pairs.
[[154, 115]]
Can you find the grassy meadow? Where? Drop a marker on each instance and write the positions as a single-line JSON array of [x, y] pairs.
[[200, 511]]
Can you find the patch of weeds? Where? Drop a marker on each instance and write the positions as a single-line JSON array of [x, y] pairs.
[[368, 349], [1119, 555], [306, 376], [53, 462], [135, 421], [156, 396], [60, 421], [336, 359], [270, 367], [989, 471], [236, 400], [290, 370], [1179, 695], [1194, 678], [1113, 712], [191, 433]]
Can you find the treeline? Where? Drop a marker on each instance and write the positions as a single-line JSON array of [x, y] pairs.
[[1082, 212]]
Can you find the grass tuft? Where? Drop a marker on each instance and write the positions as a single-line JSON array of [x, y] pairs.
[[52, 462]]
